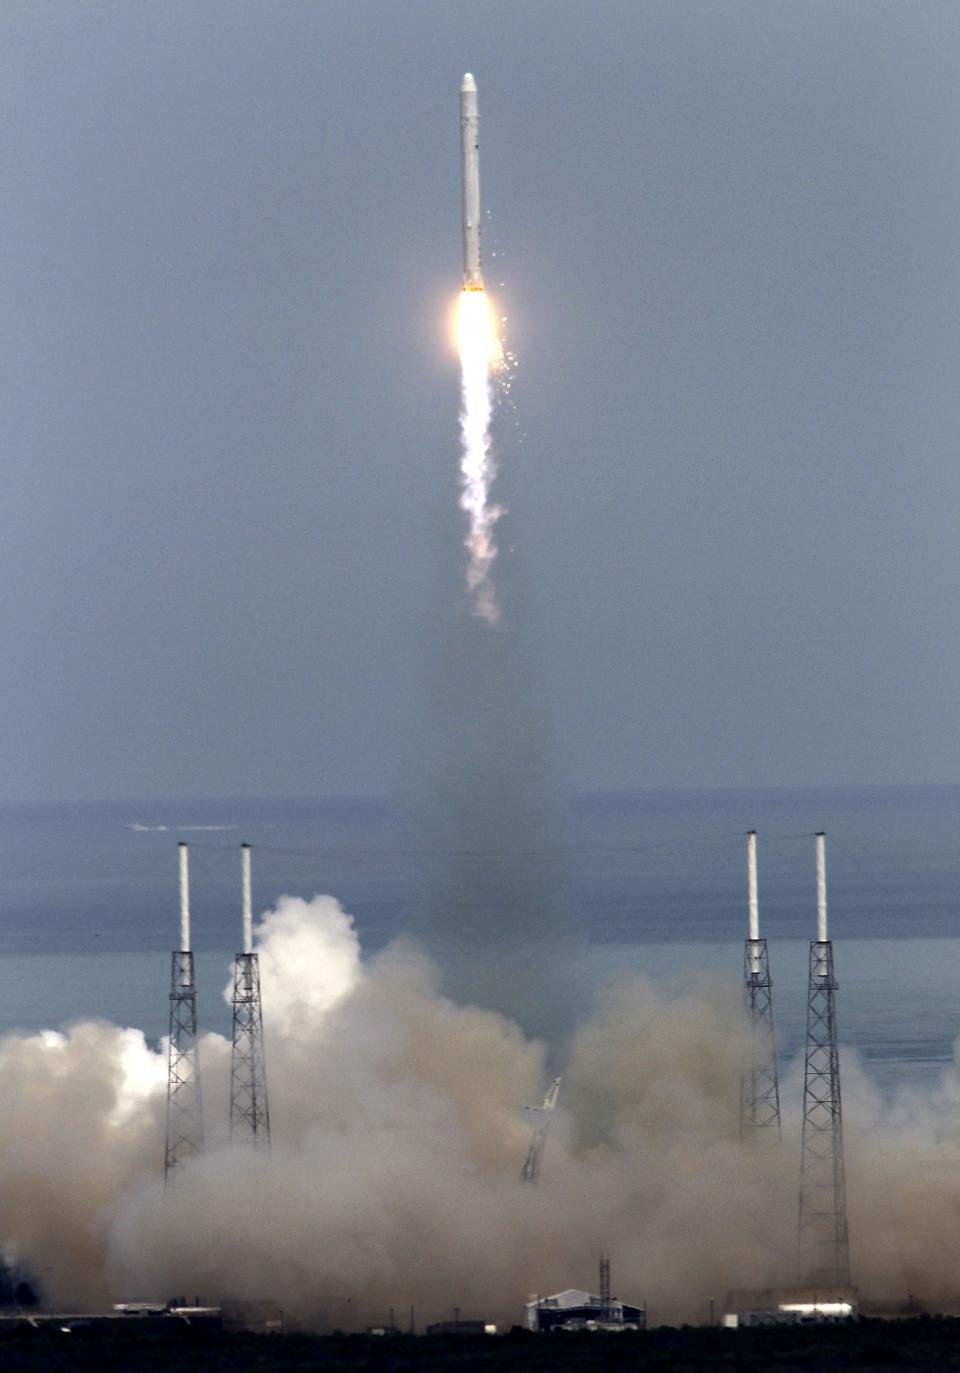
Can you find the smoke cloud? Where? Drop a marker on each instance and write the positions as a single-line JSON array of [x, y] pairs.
[[398, 1135]]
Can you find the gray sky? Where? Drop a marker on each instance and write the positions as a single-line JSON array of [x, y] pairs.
[[728, 240]]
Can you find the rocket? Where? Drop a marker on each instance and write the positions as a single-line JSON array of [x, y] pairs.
[[470, 159]]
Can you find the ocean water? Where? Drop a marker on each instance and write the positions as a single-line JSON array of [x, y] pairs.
[[88, 899]]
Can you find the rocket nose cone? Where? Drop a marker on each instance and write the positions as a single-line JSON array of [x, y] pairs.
[[468, 83]]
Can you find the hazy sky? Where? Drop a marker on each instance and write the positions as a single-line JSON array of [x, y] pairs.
[[728, 236]]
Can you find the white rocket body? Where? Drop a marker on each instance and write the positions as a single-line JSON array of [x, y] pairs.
[[470, 161]]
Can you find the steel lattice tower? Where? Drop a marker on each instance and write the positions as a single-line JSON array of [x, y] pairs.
[[824, 1247], [605, 1311], [759, 1085], [184, 1101], [530, 1171], [249, 1108]]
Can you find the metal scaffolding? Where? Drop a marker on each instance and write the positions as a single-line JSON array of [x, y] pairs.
[[184, 1101], [249, 1107], [533, 1162], [823, 1240], [605, 1305], [759, 1084], [184, 1104], [249, 1110]]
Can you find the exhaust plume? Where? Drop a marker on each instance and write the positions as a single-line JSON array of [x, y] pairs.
[[480, 355]]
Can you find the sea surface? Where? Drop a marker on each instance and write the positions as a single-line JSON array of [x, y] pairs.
[[89, 906]]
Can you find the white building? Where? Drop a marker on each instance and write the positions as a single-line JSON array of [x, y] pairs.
[[574, 1309]]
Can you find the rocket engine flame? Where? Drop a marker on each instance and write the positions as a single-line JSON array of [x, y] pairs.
[[480, 354]]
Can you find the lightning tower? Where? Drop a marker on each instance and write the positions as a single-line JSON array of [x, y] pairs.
[[532, 1164], [249, 1111], [759, 1087], [184, 1102], [823, 1248], [605, 1308]]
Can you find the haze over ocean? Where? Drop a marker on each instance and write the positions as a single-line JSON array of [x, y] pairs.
[[88, 904]]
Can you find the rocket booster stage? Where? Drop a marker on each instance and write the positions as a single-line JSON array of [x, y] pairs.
[[470, 157]]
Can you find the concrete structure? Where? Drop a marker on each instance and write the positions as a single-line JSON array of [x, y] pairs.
[[789, 1306], [148, 1317]]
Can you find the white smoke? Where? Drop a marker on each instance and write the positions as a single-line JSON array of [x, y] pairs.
[[398, 1137], [309, 958]]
